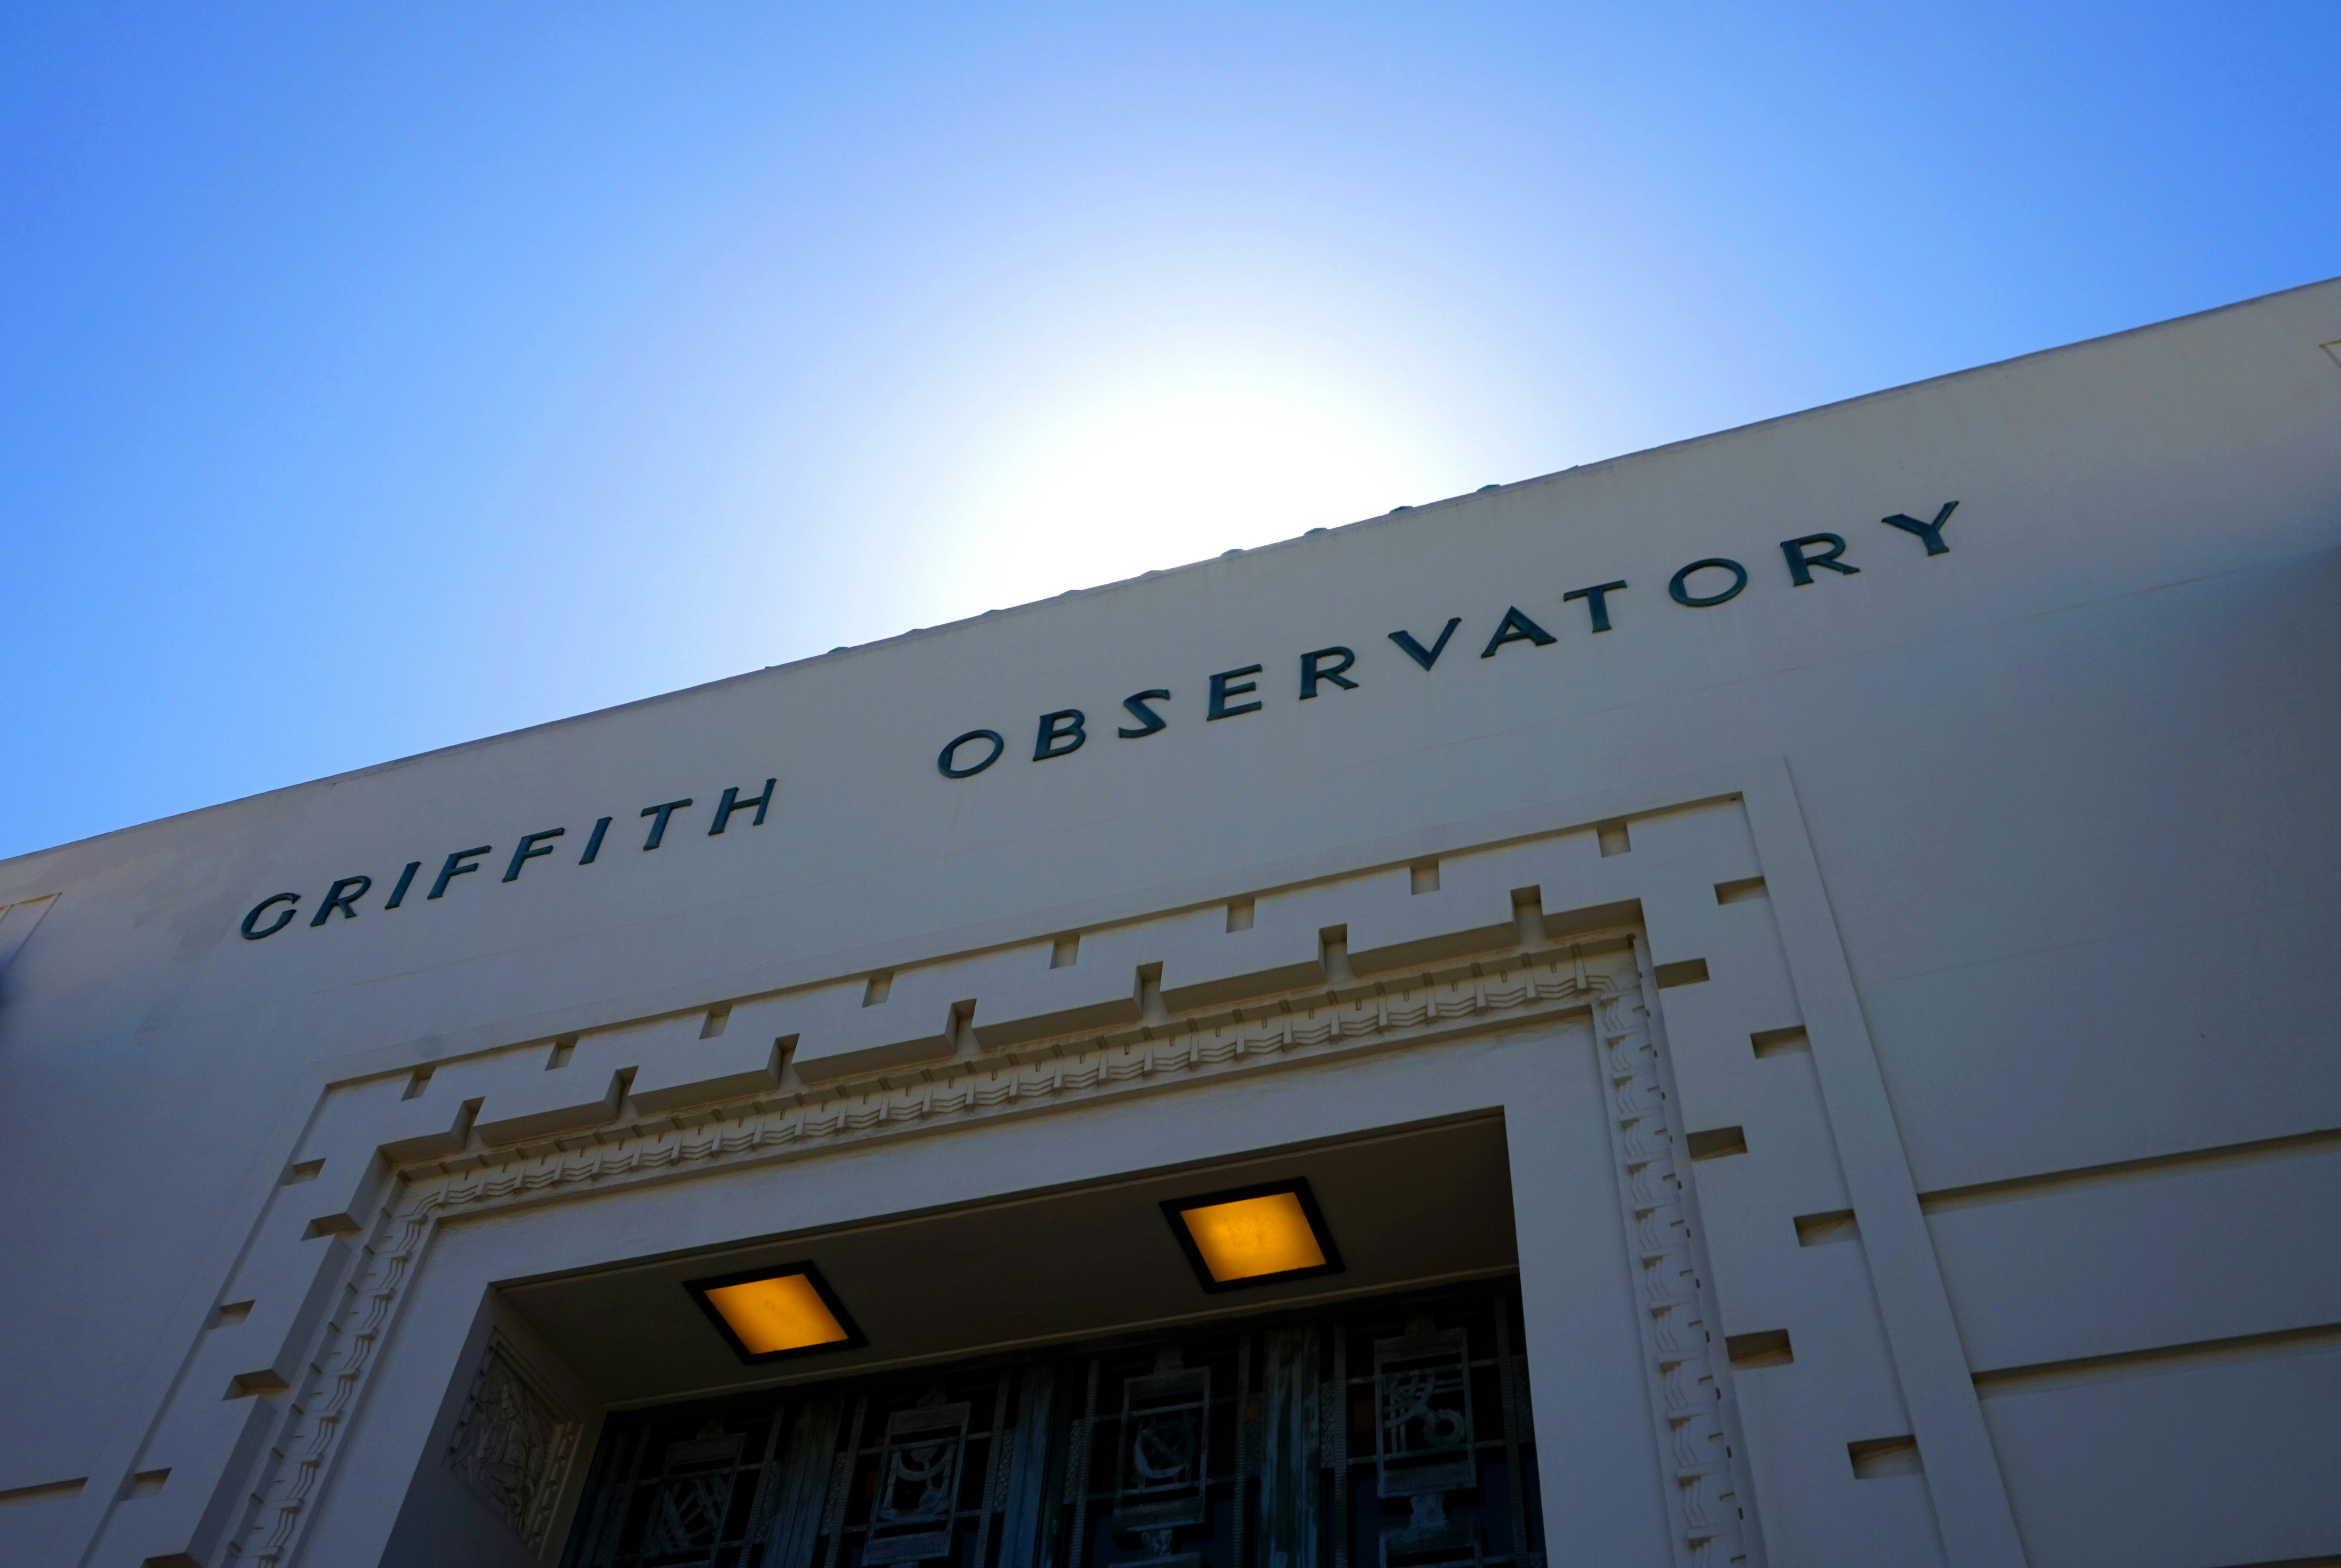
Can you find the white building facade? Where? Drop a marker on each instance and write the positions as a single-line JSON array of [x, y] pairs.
[[1793, 975]]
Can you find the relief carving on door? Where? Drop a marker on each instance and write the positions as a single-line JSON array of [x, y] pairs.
[[1385, 1435]]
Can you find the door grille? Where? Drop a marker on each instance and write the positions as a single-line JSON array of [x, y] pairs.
[[1389, 1434]]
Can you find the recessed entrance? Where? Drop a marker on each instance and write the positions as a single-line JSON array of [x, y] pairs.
[[1390, 1432], [1402, 1208]]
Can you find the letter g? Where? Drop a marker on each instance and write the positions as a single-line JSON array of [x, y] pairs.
[[284, 916]]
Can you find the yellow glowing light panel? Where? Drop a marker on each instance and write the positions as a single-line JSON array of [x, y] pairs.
[[782, 1314], [1252, 1237]]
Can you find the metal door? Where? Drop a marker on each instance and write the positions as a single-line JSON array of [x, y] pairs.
[[1389, 1434]]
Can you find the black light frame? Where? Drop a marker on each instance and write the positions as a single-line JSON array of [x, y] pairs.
[[853, 1339], [1174, 1207]]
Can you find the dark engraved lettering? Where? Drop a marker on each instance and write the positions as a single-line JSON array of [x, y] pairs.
[[731, 802], [1221, 692], [283, 919], [943, 758], [1929, 533], [529, 848], [661, 811], [405, 880], [341, 896], [1312, 670], [1149, 721], [1597, 599], [1679, 586], [1800, 564], [1064, 733], [459, 864], [1515, 627], [1426, 657], [1060, 734]]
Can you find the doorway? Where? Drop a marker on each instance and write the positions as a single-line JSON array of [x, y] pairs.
[[1384, 1433]]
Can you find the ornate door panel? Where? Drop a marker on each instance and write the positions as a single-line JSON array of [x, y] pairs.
[[1379, 1435]]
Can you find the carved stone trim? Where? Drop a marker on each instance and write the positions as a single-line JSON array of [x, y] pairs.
[[1688, 1381], [1530, 986], [1533, 986], [513, 1445]]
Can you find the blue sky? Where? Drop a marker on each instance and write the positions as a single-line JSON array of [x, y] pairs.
[[376, 378]]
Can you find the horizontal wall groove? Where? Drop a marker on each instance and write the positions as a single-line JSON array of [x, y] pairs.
[[2151, 1164], [2242, 1346]]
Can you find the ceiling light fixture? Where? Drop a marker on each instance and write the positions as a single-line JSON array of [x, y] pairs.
[[1253, 1236], [767, 1314]]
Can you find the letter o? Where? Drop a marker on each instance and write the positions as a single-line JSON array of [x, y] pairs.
[[1682, 595], [283, 919], [943, 758]]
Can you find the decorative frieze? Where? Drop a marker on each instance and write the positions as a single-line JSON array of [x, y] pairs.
[[1688, 1380], [1549, 983], [513, 1445]]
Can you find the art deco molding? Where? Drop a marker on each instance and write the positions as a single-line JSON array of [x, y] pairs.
[[1522, 992], [1667, 932], [1690, 1391], [1687, 1385], [514, 1444]]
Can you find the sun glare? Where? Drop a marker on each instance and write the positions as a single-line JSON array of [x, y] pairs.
[[1161, 475]]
